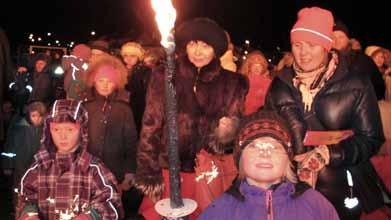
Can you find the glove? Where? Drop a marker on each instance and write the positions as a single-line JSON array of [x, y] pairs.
[[311, 163]]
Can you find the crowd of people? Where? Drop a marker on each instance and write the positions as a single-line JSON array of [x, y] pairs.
[[92, 143]]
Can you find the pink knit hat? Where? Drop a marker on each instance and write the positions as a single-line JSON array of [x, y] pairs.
[[82, 51], [314, 25]]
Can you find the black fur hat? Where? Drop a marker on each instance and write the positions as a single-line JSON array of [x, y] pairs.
[[203, 29]]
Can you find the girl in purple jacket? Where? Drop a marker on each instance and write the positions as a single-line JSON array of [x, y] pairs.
[[266, 187]]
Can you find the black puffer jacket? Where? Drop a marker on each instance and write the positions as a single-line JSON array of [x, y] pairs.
[[111, 131], [347, 101]]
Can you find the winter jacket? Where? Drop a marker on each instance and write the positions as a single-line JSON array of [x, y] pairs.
[[256, 95], [23, 139], [42, 88], [137, 87], [346, 101], [278, 204], [111, 130], [74, 76], [203, 97], [6, 70], [75, 182], [20, 89]]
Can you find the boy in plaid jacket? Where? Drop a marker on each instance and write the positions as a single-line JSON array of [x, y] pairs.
[[65, 181]]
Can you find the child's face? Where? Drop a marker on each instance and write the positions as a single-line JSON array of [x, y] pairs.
[[36, 118], [104, 86], [65, 136], [40, 65], [264, 162]]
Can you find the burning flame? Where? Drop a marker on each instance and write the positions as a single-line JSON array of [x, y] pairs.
[[165, 16]]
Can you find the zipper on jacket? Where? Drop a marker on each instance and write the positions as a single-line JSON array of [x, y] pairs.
[[269, 204], [196, 81], [104, 110]]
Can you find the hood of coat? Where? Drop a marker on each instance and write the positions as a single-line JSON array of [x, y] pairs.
[[64, 111]]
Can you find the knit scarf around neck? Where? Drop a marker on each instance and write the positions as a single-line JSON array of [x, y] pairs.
[[311, 82]]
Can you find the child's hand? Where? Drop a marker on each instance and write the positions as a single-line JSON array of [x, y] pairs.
[[126, 183]]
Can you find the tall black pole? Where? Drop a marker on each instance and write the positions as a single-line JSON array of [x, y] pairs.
[[174, 208], [172, 127]]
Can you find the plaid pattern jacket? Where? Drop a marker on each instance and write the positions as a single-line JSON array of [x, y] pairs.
[[75, 183]]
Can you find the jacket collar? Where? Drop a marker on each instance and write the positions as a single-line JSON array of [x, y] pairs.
[[207, 73], [280, 192], [117, 95], [81, 157]]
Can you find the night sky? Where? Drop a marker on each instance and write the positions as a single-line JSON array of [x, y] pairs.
[[265, 22]]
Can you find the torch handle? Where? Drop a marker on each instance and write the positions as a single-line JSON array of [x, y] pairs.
[[172, 131]]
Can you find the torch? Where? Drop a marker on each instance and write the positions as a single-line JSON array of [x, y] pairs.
[[175, 207]]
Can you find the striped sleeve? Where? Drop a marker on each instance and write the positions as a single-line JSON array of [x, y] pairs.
[[106, 200], [28, 192]]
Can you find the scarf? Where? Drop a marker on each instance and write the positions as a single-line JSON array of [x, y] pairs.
[[311, 82]]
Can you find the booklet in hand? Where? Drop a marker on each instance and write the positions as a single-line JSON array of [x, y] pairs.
[[314, 138]]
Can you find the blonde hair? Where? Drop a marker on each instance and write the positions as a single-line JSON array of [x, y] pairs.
[[134, 49], [107, 60], [255, 56]]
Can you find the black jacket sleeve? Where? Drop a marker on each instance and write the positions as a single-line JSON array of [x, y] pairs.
[[368, 132], [280, 98]]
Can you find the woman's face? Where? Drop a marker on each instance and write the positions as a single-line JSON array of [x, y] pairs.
[[256, 68], [340, 40], [264, 162], [308, 56], [378, 58], [199, 53], [130, 60]]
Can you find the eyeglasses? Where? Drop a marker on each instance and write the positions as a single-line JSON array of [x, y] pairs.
[[265, 149]]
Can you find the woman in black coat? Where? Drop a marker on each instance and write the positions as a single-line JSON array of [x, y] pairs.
[[209, 99], [320, 93]]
